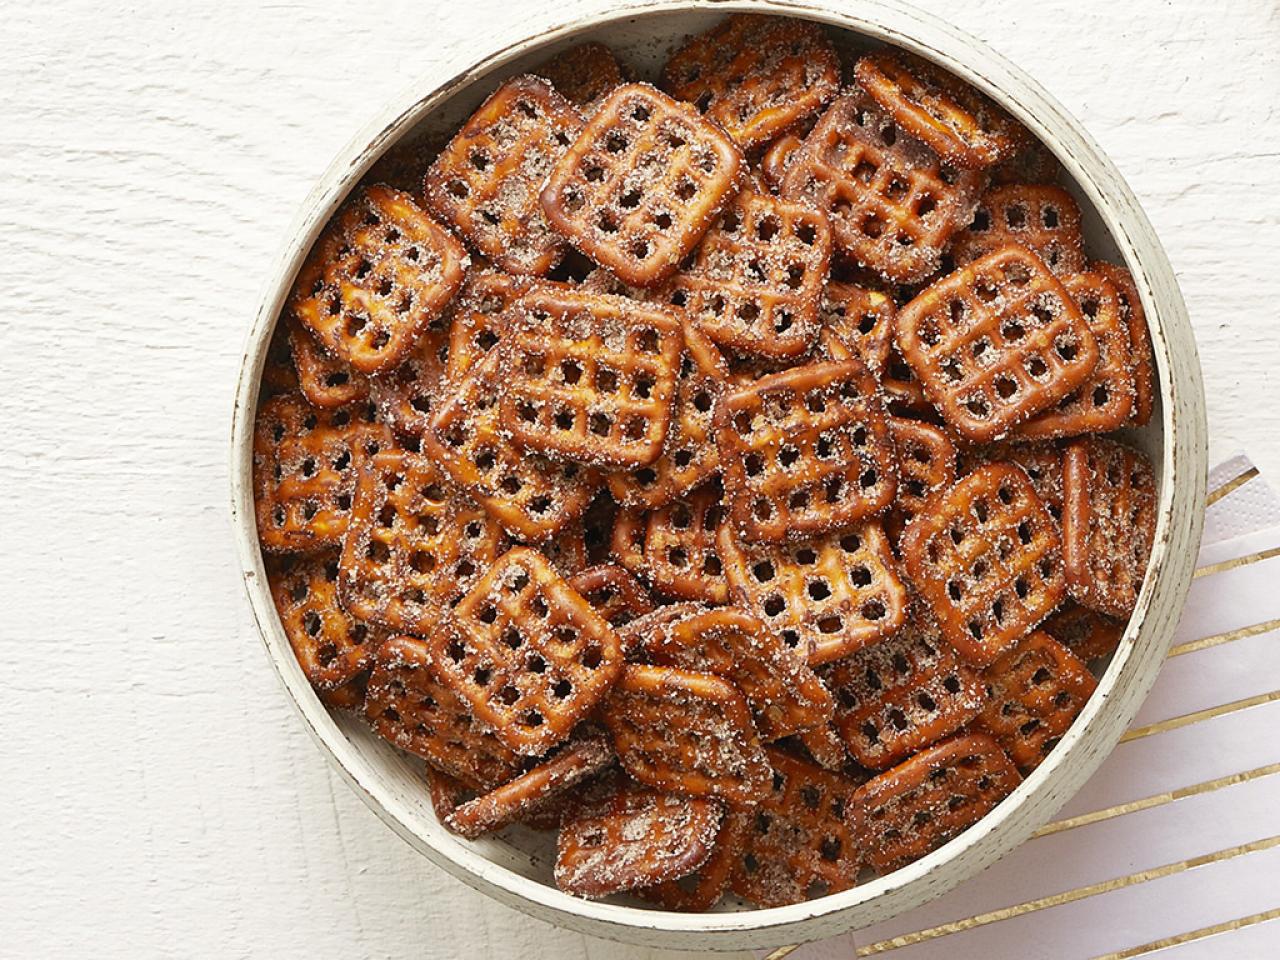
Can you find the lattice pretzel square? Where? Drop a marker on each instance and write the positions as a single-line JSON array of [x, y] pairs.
[[687, 732], [616, 595], [755, 76], [986, 557], [590, 377], [1105, 400], [919, 805], [641, 184], [407, 396], [415, 544], [755, 284], [892, 204], [325, 381], [332, 646], [478, 316], [825, 597], [527, 652], [797, 843], [1108, 523], [690, 455], [1037, 689], [410, 709], [304, 471], [805, 451], [1086, 633], [996, 342], [1041, 217], [785, 695], [902, 693], [926, 464], [1135, 319], [1040, 460], [532, 496], [681, 555], [956, 120], [486, 181], [862, 318], [378, 275], [702, 889]]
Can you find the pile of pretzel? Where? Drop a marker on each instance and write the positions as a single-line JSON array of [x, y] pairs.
[[714, 475]]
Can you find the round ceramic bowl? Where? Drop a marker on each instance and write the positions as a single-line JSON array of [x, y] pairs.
[[515, 867]]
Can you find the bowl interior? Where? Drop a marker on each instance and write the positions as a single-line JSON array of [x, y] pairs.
[[391, 781]]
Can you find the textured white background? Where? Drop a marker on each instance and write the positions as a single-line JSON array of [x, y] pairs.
[[158, 796]]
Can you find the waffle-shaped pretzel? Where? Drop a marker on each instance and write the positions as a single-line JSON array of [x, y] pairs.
[[701, 890], [1135, 318], [688, 732], [926, 464], [862, 318], [408, 395], [486, 181], [986, 557], [824, 745], [755, 76], [634, 838], [478, 316], [681, 556], [777, 158], [590, 377], [1105, 400], [532, 790], [325, 381], [331, 645], [532, 496], [378, 275], [825, 597], [919, 805], [414, 545], [690, 455], [1042, 218], [616, 595], [901, 694], [956, 120], [1040, 460], [278, 372], [641, 184], [527, 652], [785, 695], [996, 342], [798, 843], [758, 277], [892, 204], [582, 74], [1036, 689], [567, 550], [805, 451], [304, 471], [1108, 523], [408, 708], [1086, 633]]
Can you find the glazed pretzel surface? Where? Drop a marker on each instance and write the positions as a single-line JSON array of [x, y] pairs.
[[902, 693], [755, 76], [785, 695], [486, 181], [407, 396], [996, 342], [410, 709], [1041, 217], [956, 120], [305, 468], [986, 557], [532, 496], [805, 451], [892, 204], [590, 377], [415, 544], [1086, 633], [1036, 690], [797, 842], [758, 277], [478, 317], [681, 554], [1135, 319], [703, 888], [325, 381], [689, 456], [1040, 460], [1108, 523], [862, 319], [527, 652], [926, 464], [686, 731], [378, 275], [616, 595], [641, 184], [825, 597]]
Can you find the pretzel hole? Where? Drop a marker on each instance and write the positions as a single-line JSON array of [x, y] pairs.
[[873, 610], [951, 684], [607, 222], [833, 489], [871, 732], [868, 479], [564, 420], [872, 226], [1101, 395], [678, 557], [1015, 215], [662, 220], [1066, 350], [634, 428], [824, 447], [711, 565], [1006, 387], [979, 408], [532, 719], [774, 605], [574, 200], [955, 590], [540, 505], [571, 371], [683, 458], [1036, 367], [798, 500], [985, 291], [685, 189], [592, 657], [818, 590], [763, 571], [753, 464], [354, 325], [344, 501], [850, 543]]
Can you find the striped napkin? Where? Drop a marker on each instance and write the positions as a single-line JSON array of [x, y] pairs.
[[1172, 850]]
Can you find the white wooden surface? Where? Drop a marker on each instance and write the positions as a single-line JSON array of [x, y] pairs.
[[158, 797]]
